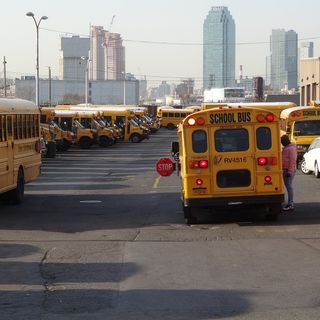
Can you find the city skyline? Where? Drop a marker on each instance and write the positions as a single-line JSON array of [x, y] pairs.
[[158, 62]]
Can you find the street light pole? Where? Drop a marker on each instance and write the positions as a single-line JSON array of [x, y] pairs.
[[124, 87], [87, 59], [50, 95], [37, 24], [5, 76]]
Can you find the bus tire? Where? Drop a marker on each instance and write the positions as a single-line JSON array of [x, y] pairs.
[[274, 211], [51, 149], [85, 143], [104, 142], [66, 145], [189, 218], [316, 170], [16, 195], [135, 138], [171, 126], [303, 167]]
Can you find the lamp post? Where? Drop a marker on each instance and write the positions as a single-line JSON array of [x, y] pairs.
[[86, 77], [37, 24], [124, 87]]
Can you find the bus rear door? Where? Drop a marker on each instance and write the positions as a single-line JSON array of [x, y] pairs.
[[233, 163]]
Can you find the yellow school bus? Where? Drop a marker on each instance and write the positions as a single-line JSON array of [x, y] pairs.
[[302, 125], [20, 147], [315, 103], [124, 118], [69, 120], [230, 157], [170, 117]]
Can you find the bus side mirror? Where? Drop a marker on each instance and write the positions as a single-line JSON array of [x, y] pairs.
[[174, 148]]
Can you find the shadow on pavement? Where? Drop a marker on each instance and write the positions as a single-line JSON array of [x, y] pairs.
[[133, 304], [8, 250]]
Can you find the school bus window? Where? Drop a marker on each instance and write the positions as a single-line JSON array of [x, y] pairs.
[[86, 122], [43, 118], [177, 115], [28, 126], [199, 141], [183, 115], [264, 141], [1, 128], [165, 115], [9, 126], [36, 125], [307, 128], [20, 127], [120, 120], [233, 178], [170, 115], [231, 140], [108, 119]]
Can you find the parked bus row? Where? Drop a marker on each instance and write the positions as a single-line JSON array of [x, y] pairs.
[[86, 125], [23, 128]]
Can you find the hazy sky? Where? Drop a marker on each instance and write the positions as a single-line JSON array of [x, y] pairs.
[[175, 21]]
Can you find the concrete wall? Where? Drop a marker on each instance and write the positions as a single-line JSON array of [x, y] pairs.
[[309, 80], [65, 91]]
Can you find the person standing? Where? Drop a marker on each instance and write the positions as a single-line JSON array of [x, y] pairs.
[[289, 165]]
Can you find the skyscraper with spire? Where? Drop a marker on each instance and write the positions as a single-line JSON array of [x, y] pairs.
[[219, 54]]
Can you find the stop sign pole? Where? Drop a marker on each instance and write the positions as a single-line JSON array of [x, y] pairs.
[[165, 167]]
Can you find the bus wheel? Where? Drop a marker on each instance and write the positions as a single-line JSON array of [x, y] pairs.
[[85, 143], [65, 145], [303, 167], [274, 210], [189, 218], [171, 126], [135, 138], [104, 141], [316, 170], [16, 196]]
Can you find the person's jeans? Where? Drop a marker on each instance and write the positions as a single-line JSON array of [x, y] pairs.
[[288, 183]]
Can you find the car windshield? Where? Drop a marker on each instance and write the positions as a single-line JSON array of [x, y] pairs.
[[307, 128]]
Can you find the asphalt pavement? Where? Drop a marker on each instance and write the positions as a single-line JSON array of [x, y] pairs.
[[101, 236]]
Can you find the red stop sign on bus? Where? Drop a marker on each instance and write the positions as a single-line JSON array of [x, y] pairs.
[[165, 167]]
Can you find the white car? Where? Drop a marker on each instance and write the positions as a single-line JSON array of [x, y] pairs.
[[311, 159]]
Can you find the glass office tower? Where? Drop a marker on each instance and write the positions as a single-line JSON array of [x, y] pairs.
[[284, 59], [219, 53]]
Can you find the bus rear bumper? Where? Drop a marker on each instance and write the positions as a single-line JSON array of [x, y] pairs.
[[234, 201]]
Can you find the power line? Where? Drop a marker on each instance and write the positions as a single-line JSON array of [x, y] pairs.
[[187, 43]]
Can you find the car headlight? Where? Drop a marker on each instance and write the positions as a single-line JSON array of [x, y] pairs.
[[301, 147]]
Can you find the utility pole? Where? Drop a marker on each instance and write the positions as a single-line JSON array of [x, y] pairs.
[[5, 76], [49, 68]]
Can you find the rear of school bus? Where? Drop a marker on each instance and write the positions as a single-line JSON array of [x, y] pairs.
[[302, 124], [230, 157]]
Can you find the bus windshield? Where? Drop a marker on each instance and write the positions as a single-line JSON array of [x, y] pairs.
[[78, 124], [133, 123], [307, 128]]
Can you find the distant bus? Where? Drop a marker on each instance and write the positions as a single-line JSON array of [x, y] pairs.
[[170, 117], [20, 147]]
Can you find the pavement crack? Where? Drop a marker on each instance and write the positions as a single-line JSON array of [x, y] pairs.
[[46, 277], [137, 236]]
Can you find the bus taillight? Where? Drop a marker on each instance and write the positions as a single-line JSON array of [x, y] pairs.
[[267, 179], [262, 161], [201, 121], [202, 164], [199, 182], [270, 117], [191, 122]]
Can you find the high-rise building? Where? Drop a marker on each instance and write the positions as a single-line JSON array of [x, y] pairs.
[[114, 57], [164, 90], [107, 55], [97, 53], [219, 49], [306, 50], [72, 67], [284, 59]]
